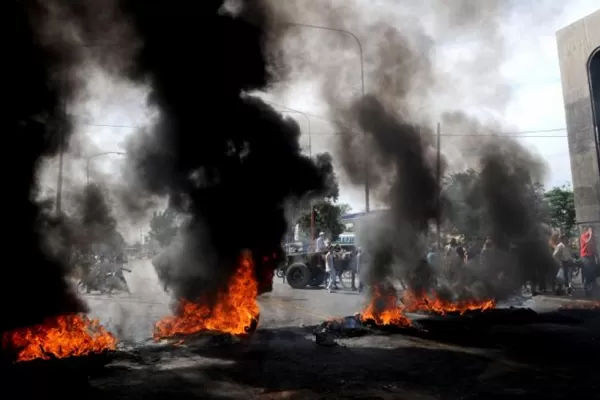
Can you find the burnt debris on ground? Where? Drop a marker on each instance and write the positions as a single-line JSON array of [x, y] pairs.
[[40, 378], [503, 359], [464, 325], [355, 326], [499, 361]]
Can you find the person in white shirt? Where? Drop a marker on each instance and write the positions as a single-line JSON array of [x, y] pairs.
[[321, 245], [562, 255], [330, 269]]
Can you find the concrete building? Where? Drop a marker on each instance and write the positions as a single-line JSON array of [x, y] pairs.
[[579, 57]]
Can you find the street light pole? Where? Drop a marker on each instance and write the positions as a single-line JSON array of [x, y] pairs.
[[312, 210], [438, 167], [62, 137], [59, 184], [89, 159], [362, 81]]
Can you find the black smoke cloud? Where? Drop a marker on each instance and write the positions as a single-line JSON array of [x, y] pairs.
[[397, 148], [33, 280], [409, 89], [225, 159], [95, 223]]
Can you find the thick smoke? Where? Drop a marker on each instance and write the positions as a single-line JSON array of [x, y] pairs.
[[34, 285], [397, 146], [50, 44], [224, 158], [96, 224], [415, 76]]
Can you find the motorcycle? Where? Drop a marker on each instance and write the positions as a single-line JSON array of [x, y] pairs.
[[104, 280], [114, 281]]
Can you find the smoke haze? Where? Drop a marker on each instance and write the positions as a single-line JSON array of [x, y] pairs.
[[426, 62], [220, 155], [34, 283], [223, 157]]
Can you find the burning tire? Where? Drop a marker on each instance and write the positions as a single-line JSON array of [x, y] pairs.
[[298, 276]]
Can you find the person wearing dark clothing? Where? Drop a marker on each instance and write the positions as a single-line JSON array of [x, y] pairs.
[[589, 259], [360, 262], [354, 268]]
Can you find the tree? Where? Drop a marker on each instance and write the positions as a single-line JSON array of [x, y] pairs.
[[560, 203], [327, 213], [328, 218], [163, 228]]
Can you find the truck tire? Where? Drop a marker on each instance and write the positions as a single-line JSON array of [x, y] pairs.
[[298, 276], [318, 277]]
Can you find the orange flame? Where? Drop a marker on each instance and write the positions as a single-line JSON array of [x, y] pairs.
[[59, 337], [432, 303], [234, 311], [385, 310]]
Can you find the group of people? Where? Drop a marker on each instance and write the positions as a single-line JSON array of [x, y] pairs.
[[97, 268], [567, 269], [334, 259], [455, 257]]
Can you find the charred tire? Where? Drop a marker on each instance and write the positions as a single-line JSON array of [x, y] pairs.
[[298, 276], [253, 325]]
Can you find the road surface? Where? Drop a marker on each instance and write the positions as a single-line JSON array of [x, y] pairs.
[[282, 360], [132, 316]]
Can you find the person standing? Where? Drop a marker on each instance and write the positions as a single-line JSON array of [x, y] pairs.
[[330, 269], [320, 244], [587, 251], [562, 255], [453, 261], [355, 269]]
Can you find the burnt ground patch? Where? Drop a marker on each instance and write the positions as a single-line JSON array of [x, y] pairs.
[[549, 358]]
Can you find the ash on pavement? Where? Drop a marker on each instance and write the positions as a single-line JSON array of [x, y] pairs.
[[282, 360]]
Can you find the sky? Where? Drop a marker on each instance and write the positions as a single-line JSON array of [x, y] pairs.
[[111, 109], [532, 70]]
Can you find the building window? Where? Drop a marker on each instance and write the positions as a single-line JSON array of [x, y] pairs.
[[594, 79]]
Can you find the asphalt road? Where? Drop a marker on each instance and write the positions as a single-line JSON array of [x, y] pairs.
[[132, 316], [449, 359]]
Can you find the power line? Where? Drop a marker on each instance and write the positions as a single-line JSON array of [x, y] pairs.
[[112, 125], [499, 134], [524, 134], [519, 136]]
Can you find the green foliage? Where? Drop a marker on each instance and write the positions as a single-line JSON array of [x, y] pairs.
[[560, 203], [162, 227], [327, 212], [327, 216]]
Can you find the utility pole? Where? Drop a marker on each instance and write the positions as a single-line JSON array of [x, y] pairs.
[[362, 81], [439, 187], [62, 125]]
